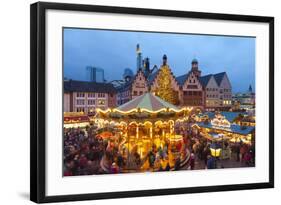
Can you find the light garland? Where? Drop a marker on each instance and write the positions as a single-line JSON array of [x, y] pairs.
[[110, 110]]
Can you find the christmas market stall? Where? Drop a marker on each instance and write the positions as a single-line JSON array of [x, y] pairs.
[[145, 130], [75, 119], [219, 129]]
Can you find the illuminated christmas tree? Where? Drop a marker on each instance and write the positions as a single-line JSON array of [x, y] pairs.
[[164, 81]]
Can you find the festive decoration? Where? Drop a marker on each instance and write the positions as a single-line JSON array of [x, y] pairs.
[[220, 122], [145, 124], [165, 89]]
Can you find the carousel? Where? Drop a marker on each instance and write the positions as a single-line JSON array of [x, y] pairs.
[[147, 127]]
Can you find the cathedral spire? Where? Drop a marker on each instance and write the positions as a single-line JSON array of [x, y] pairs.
[[250, 89]]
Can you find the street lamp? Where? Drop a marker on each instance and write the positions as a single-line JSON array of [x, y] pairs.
[[215, 151]]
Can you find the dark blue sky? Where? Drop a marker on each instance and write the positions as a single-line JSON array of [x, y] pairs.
[[115, 50]]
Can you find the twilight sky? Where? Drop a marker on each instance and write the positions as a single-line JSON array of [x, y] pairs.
[[115, 50]]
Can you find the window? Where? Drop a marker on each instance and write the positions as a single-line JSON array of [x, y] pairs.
[[141, 92], [80, 95], [91, 102], [91, 95], [192, 86], [80, 102], [101, 95], [135, 93], [80, 109], [101, 102], [225, 102], [91, 109]]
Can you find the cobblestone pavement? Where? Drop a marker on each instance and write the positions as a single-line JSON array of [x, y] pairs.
[[221, 163]]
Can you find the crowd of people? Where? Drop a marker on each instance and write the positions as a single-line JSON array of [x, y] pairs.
[[236, 152], [82, 152], [87, 153]]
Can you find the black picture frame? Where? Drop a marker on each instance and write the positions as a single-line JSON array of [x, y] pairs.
[[38, 101]]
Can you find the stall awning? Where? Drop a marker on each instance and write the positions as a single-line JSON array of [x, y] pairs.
[[242, 130]]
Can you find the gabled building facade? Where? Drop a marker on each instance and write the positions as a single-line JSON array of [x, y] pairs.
[[132, 88], [225, 90], [211, 92], [191, 90], [139, 84]]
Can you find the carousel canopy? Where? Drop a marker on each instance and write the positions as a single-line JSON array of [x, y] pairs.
[[148, 102]]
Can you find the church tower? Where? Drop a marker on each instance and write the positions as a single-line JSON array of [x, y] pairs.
[[164, 60], [195, 68], [146, 67]]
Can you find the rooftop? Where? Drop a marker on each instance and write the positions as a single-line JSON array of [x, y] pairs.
[[181, 79], [83, 86], [219, 76], [242, 130], [230, 116], [204, 80], [148, 102]]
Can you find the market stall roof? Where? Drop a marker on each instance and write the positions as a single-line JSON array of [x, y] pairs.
[[242, 130], [230, 116], [75, 117], [147, 102]]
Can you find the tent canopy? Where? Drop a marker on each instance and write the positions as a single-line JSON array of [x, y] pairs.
[[148, 102]]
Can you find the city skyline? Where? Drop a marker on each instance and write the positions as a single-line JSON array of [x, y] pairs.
[[83, 47]]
